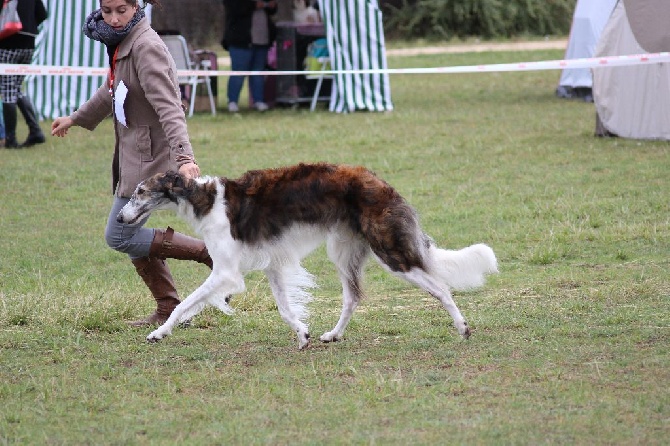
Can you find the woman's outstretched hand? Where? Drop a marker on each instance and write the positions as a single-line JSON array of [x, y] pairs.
[[61, 125]]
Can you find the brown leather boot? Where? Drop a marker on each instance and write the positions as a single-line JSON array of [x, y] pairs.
[[174, 245], [157, 277]]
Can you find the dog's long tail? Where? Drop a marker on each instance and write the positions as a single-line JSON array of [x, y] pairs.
[[463, 269]]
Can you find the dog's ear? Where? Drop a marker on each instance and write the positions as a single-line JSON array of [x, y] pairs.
[[173, 184]]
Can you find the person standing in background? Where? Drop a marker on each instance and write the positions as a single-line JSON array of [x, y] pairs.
[[19, 49], [248, 36]]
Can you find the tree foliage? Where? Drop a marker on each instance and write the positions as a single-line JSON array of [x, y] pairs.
[[201, 21], [445, 19]]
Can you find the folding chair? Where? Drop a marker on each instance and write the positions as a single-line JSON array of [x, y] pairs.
[[317, 59], [324, 62], [178, 48]]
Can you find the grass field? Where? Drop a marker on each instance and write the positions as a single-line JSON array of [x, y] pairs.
[[570, 341]]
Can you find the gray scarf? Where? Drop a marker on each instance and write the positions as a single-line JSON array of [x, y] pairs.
[[95, 28]]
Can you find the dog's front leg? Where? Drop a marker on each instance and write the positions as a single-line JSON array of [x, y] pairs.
[[216, 287]]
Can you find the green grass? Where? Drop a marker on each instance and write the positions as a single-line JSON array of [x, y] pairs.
[[570, 341]]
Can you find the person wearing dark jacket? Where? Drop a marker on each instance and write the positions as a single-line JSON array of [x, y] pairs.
[[248, 36], [19, 49]]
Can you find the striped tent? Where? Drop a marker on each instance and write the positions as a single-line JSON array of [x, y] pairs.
[[356, 42], [61, 42]]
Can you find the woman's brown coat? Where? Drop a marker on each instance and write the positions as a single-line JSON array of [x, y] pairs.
[[156, 138]]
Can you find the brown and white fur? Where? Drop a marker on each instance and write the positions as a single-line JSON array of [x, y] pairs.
[[271, 219]]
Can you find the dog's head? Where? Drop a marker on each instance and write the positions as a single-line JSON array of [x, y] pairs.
[[161, 191]]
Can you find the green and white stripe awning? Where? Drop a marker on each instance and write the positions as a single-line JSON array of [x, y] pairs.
[[61, 42], [356, 42]]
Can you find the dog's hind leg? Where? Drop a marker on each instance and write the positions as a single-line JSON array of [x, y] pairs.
[[425, 281], [279, 286], [349, 257], [351, 296], [214, 287]]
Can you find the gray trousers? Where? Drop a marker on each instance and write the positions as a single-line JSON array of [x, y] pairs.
[[134, 240]]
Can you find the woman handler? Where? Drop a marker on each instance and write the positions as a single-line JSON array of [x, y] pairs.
[[143, 95]]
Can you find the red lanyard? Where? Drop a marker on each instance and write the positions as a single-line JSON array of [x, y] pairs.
[[111, 72]]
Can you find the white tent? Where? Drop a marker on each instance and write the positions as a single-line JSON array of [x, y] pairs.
[[356, 41], [61, 42], [634, 101], [588, 21]]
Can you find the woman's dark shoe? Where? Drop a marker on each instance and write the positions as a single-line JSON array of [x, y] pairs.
[[11, 143], [35, 135], [9, 115], [33, 139]]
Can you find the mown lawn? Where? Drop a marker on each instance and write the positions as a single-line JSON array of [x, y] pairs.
[[570, 341]]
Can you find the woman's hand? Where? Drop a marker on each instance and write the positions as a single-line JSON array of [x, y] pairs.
[[61, 125], [190, 170]]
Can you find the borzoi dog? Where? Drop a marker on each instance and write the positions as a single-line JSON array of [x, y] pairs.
[[271, 219]]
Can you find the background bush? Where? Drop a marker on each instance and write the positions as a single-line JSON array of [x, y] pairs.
[[201, 21], [446, 19]]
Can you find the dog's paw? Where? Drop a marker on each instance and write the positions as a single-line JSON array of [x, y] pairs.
[[330, 336], [303, 340], [156, 336], [464, 330]]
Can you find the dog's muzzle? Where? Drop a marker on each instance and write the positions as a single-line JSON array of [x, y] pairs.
[[121, 219]]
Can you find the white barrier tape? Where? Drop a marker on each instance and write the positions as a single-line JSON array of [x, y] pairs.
[[612, 61]]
